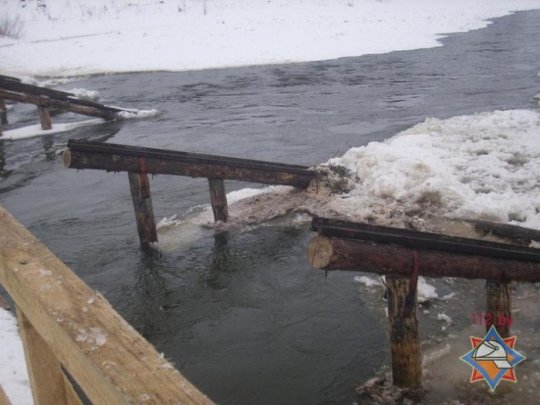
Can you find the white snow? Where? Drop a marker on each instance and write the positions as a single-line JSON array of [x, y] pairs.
[[135, 114], [477, 166], [69, 37], [35, 130], [426, 292], [13, 373], [84, 94], [443, 317], [368, 281]]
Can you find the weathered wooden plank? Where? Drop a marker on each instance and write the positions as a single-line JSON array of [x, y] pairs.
[[423, 240], [68, 105], [45, 118], [218, 199], [142, 204], [110, 361], [328, 253], [404, 336], [117, 158], [49, 384]]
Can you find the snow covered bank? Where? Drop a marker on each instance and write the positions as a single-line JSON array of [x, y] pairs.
[[478, 166], [13, 373], [68, 37]]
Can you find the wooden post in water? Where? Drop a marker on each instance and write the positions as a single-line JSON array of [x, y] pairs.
[[45, 118], [3, 112], [498, 306], [404, 336], [142, 204], [218, 199]]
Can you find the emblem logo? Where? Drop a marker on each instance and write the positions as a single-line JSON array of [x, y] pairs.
[[493, 358]]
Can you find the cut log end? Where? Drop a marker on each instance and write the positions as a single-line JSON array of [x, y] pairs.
[[319, 252], [66, 157]]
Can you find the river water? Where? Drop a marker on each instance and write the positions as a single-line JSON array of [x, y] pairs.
[[242, 314]]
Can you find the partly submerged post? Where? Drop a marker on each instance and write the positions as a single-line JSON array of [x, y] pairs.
[[3, 112], [45, 118], [498, 306], [218, 199], [404, 336], [142, 204]]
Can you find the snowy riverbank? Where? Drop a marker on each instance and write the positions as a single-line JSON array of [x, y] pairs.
[[72, 38]]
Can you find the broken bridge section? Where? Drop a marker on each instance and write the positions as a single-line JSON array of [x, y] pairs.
[[141, 161], [403, 255], [12, 88]]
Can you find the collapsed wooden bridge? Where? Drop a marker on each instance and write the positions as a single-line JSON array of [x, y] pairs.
[[140, 161], [12, 88], [403, 255]]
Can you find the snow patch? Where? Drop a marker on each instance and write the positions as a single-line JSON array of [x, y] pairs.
[[83, 94], [478, 166], [138, 114], [35, 130], [426, 292], [368, 281], [13, 373]]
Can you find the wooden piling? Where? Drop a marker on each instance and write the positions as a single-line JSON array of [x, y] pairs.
[[3, 112], [45, 118], [142, 204], [498, 306], [404, 336], [218, 199]]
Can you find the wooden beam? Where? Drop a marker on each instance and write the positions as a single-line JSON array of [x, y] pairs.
[[327, 253], [511, 232], [109, 360], [49, 384], [423, 240], [118, 158], [498, 307], [404, 336], [45, 118], [142, 204], [218, 199], [68, 105]]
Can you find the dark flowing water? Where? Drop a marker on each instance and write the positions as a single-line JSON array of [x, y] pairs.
[[242, 314]]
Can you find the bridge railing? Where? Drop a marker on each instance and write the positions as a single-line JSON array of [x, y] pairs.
[[70, 333]]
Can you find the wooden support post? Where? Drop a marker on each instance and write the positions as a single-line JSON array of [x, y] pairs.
[[404, 336], [3, 112], [218, 199], [142, 203], [498, 306], [49, 383], [45, 118]]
